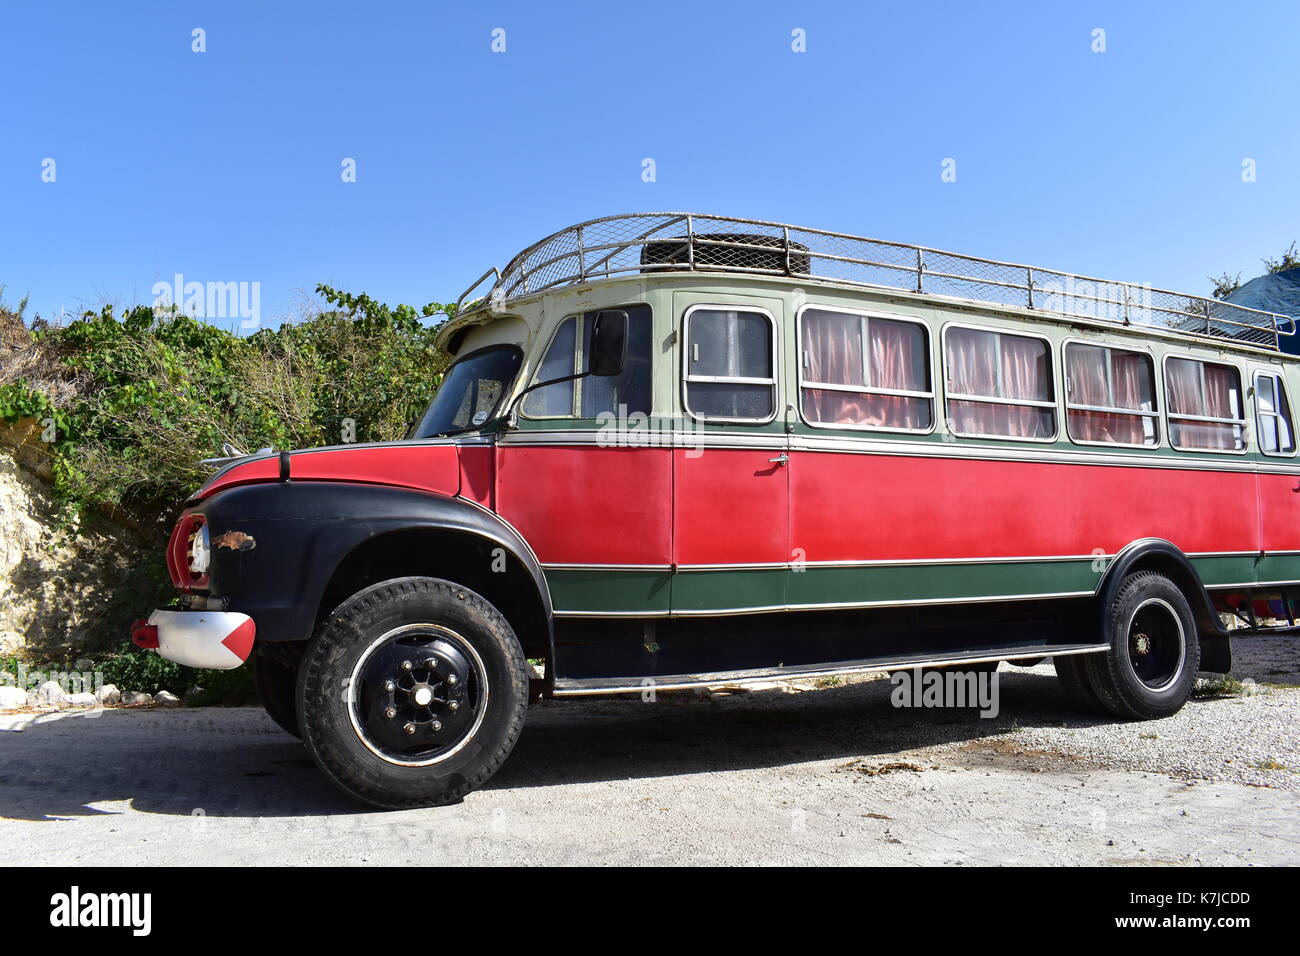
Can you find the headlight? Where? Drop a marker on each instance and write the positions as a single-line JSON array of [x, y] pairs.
[[200, 550]]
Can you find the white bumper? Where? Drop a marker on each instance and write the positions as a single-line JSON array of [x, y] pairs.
[[215, 640]]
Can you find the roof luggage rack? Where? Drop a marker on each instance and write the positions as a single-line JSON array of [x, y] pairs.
[[677, 241]]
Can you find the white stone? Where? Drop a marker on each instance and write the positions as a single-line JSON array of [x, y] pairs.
[[51, 693], [135, 698], [80, 700], [165, 698], [108, 694], [11, 698]]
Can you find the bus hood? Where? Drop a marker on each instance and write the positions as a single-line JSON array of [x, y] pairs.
[[432, 465]]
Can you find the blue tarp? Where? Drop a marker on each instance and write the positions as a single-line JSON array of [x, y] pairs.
[[1275, 292]]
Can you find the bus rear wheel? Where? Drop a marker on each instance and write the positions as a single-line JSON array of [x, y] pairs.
[[1154, 654], [412, 693], [1072, 672]]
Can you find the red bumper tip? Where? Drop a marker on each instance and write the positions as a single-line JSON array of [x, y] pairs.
[[144, 635]]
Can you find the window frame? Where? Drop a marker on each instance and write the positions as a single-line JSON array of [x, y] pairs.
[[1054, 405], [774, 382], [578, 356], [1277, 377], [866, 315], [1169, 416], [1157, 414]]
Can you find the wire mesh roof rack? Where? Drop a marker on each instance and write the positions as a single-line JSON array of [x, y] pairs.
[[640, 243]]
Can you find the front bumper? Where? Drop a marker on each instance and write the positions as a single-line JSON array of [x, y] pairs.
[[210, 640]]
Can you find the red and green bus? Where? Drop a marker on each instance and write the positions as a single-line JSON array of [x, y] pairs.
[[677, 450]]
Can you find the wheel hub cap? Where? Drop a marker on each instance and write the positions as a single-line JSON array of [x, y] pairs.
[[1156, 644], [419, 693]]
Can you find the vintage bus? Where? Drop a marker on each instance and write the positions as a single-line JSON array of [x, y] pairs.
[[677, 451]]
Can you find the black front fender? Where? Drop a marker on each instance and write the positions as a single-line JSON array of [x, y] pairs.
[[275, 546]]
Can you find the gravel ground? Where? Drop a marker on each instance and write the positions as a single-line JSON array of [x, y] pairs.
[[783, 775]]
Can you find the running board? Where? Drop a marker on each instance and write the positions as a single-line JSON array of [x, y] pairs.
[[634, 685]]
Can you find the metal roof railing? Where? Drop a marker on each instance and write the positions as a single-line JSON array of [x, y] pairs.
[[675, 242]]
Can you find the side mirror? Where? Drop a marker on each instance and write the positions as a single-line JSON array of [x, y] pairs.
[[608, 342]]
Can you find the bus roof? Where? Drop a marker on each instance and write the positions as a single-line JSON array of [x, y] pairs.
[[674, 242]]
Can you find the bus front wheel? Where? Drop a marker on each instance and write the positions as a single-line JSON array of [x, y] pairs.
[[412, 693]]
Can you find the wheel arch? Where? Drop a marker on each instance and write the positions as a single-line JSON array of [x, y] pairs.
[[484, 559], [1164, 557]]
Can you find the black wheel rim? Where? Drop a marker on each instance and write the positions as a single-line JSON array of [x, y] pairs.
[[417, 695], [1156, 647]]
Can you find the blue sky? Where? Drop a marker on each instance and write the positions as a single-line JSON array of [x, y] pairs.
[[225, 165]]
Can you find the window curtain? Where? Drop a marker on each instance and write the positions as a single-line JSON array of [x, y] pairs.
[[1131, 378], [896, 359], [1220, 398], [974, 359]]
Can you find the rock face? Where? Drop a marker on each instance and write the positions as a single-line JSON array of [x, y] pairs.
[[53, 585]]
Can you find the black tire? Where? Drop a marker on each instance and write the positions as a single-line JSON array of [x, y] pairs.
[[369, 686], [1154, 651], [277, 688], [1072, 672]]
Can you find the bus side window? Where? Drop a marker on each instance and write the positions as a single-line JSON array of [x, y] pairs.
[[1273, 415], [999, 384], [626, 393], [1206, 412], [730, 373], [861, 371], [1110, 395]]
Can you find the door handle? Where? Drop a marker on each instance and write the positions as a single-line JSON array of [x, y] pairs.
[[780, 459]]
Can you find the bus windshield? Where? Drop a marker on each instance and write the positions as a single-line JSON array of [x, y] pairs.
[[470, 392]]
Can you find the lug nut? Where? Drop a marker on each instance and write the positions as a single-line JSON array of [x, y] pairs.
[[390, 713], [453, 705], [451, 678], [406, 665], [409, 729], [389, 686], [437, 725]]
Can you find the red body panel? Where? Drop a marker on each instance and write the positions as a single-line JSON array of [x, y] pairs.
[[587, 504], [478, 474], [1279, 511], [878, 507], [730, 507]]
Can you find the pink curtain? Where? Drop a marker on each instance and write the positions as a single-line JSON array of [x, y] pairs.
[[973, 360], [1221, 398], [1132, 380], [896, 359]]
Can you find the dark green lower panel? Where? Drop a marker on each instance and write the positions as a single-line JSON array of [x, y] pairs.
[[645, 592], [656, 593]]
